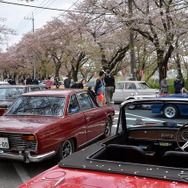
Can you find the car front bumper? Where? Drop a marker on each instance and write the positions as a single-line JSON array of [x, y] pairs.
[[26, 156]]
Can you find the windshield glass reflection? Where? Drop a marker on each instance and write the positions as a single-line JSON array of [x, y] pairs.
[[42, 106], [156, 114]]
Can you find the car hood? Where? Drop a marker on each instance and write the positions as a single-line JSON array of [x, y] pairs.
[[25, 123], [63, 178], [180, 95]]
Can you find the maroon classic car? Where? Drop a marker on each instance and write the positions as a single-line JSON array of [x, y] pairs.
[[147, 151], [52, 123]]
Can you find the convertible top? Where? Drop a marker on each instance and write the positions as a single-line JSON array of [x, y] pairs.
[[83, 160]]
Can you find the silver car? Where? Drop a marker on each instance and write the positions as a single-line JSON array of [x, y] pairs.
[[130, 89]]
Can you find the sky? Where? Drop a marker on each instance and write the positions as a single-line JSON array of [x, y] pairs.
[[19, 17]]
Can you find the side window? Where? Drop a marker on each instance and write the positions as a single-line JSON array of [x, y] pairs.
[[85, 101], [73, 105], [128, 85], [119, 85]]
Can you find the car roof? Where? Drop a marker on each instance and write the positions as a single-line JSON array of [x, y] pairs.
[[20, 86], [135, 81], [53, 92]]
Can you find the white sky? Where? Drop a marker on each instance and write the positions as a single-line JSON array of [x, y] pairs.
[[19, 17]]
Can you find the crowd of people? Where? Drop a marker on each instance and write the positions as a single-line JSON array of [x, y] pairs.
[[179, 85], [103, 90]]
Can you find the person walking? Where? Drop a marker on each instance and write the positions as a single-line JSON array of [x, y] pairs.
[[164, 86], [109, 87], [100, 88], [178, 85]]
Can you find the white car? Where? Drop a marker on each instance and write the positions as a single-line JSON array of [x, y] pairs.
[[126, 90]]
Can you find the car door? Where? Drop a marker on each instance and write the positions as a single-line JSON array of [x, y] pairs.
[[118, 96], [75, 122], [95, 116]]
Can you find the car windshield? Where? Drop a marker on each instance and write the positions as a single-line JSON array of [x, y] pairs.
[[10, 93], [143, 86], [38, 105], [155, 114]]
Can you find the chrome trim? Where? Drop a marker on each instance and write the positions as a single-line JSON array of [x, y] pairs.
[[26, 156]]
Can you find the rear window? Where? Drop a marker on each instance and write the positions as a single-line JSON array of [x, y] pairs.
[[10, 93], [38, 105]]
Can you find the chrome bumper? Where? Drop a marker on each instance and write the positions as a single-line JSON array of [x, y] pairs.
[[26, 156]]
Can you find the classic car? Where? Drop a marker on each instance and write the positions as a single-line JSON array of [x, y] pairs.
[[52, 123], [171, 110], [8, 93], [126, 90], [146, 151]]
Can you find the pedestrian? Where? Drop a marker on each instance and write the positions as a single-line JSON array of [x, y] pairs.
[[49, 83], [164, 86], [100, 88], [35, 81], [178, 85], [79, 85], [56, 82], [109, 87], [29, 80], [67, 82]]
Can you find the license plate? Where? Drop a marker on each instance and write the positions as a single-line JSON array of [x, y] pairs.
[[4, 143]]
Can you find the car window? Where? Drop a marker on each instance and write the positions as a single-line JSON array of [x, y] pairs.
[[144, 86], [73, 105], [42, 106], [37, 88], [130, 85], [119, 85], [10, 93], [85, 101]]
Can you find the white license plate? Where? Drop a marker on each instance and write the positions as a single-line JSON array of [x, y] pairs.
[[4, 143]]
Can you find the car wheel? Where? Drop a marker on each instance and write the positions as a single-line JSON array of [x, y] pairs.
[[108, 128], [66, 148], [170, 111], [131, 106]]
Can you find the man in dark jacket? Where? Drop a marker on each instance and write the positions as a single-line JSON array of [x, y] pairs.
[[178, 84], [67, 82], [109, 87]]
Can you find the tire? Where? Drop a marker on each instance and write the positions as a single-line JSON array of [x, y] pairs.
[[66, 148], [170, 111], [131, 106], [107, 131]]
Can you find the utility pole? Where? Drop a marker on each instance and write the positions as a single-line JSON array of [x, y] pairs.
[[131, 40], [33, 30]]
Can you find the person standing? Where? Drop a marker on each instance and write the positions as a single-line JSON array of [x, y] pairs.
[[67, 82], [109, 87], [100, 88], [49, 83], [178, 85], [29, 80], [164, 85]]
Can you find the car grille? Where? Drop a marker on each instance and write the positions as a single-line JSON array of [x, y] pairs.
[[17, 144]]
